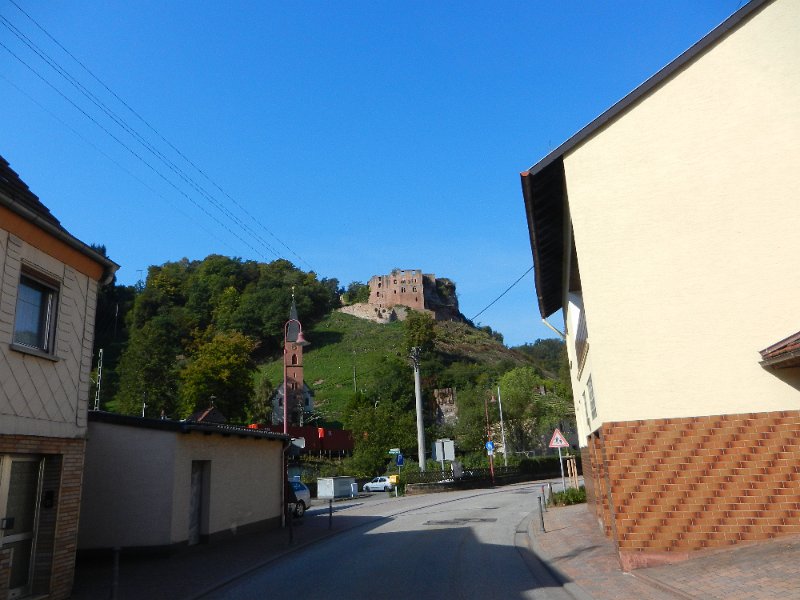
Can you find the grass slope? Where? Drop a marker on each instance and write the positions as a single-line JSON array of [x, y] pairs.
[[341, 342]]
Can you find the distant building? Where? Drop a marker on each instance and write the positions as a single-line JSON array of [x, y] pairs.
[[664, 232], [300, 396], [417, 291], [445, 406], [48, 292]]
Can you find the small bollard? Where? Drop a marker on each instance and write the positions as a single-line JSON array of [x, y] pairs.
[[544, 495], [115, 575], [330, 514], [290, 517], [541, 513]]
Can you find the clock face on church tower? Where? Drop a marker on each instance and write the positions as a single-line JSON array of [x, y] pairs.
[[294, 346]]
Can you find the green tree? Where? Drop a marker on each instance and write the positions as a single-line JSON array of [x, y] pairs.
[[222, 367], [148, 368], [419, 330], [259, 409], [531, 406], [377, 426], [356, 292]]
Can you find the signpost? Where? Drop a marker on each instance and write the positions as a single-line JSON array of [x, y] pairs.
[[490, 452], [559, 441], [399, 460]]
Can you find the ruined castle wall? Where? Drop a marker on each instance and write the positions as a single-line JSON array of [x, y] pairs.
[[406, 287]]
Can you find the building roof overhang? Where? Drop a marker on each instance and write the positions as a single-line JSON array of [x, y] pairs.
[[546, 196], [782, 355], [100, 416]]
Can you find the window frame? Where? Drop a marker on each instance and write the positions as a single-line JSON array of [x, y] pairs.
[[49, 291]]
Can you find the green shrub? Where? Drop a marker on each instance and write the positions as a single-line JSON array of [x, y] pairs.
[[569, 496]]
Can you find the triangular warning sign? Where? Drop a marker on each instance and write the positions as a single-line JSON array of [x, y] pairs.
[[558, 440]]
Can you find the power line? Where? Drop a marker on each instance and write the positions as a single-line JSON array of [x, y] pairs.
[[113, 160], [130, 150], [120, 122], [508, 289]]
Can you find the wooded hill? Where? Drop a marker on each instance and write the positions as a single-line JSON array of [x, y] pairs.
[[214, 328]]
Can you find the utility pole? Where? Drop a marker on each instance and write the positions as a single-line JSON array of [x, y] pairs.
[[502, 429], [418, 394], [99, 380]]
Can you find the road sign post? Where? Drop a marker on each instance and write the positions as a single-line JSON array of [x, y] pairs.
[[559, 441], [399, 460]]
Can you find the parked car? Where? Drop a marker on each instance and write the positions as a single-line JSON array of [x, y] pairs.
[[303, 495], [379, 484]]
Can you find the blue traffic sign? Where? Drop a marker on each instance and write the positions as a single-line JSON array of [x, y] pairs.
[[399, 460], [490, 445]]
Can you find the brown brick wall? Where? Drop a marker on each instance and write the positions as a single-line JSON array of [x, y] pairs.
[[54, 562], [677, 486]]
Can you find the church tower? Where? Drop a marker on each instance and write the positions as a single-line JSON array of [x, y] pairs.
[[293, 364], [298, 396]]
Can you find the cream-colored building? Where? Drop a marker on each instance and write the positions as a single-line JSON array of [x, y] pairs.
[[48, 289], [665, 232], [152, 483]]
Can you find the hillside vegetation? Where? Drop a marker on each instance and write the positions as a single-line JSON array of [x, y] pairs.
[[197, 332], [348, 354]]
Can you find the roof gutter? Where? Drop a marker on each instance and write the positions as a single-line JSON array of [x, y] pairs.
[[109, 266]]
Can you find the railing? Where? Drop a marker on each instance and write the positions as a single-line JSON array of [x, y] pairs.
[[528, 470]]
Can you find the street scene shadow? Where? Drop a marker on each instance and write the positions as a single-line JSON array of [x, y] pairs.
[[317, 563]]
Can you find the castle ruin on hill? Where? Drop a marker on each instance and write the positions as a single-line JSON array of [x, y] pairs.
[[415, 290]]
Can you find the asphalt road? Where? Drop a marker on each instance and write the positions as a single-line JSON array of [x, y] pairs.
[[469, 544]]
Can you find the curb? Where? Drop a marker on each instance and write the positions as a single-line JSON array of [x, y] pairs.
[[572, 588]]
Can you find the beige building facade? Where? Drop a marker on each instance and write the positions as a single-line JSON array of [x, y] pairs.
[[48, 289], [152, 483], [664, 233]]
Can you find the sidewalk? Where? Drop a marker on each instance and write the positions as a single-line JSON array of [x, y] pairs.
[[574, 547], [192, 572]]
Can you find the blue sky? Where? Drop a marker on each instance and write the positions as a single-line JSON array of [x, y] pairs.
[[348, 137]]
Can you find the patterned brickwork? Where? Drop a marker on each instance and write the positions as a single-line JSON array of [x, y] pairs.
[[682, 485], [588, 477], [600, 482], [57, 536]]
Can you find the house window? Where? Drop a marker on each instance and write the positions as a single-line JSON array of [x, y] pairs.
[[586, 410], [35, 320], [294, 359], [590, 389], [581, 342]]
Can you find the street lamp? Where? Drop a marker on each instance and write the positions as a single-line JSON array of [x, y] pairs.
[[300, 341]]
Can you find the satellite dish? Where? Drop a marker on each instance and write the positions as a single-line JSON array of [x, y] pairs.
[[299, 442]]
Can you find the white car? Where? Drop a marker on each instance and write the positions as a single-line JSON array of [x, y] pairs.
[[303, 495], [379, 484]]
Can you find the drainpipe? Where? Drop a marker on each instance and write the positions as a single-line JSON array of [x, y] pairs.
[[287, 443]]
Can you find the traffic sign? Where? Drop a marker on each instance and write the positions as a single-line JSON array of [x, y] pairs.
[[394, 451], [399, 460], [490, 445], [558, 440]]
